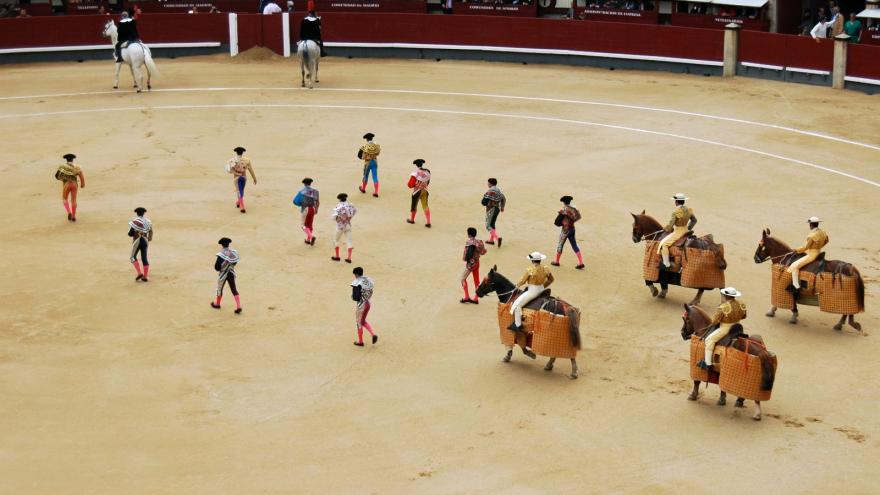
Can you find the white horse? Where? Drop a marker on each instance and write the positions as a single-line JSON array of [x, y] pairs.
[[136, 55], [309, 55]]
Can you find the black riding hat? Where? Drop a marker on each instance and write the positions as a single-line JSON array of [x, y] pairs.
[[307, 181]]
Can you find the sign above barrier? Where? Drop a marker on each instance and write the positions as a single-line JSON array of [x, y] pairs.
[[402, 6], [204, 6], [617, 15], [495, 9], [718, 21]]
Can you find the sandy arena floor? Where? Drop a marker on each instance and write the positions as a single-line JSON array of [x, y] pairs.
[[109, 386]]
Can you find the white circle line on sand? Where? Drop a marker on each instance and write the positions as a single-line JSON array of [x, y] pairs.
[[480, 95], [452, 112]]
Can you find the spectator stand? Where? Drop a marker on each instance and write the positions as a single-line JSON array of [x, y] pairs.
[[644, 12], [38, 8], [749, 14], [496, 7], [870, 18], [203, 6]]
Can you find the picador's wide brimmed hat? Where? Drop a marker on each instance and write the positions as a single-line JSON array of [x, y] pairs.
[[730, 292], [536, 256], [680, 197], [368, 136], [69, 157], [239, 150], [813, 220]]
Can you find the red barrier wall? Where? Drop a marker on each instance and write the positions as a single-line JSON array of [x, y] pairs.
[[273, 37], [785, 50], [863, 61], [250, 31], [611, 37]]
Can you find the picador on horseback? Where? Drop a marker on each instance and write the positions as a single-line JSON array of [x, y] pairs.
[[730, 312], [816, 240], [310, 28], [682, 221], [127, 33]]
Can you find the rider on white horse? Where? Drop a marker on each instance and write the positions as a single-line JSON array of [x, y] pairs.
[[310, 28], [127, 32]]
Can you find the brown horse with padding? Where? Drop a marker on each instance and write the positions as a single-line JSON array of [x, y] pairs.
[[697, 323], [778, 252], [648, 229], [507, 292]]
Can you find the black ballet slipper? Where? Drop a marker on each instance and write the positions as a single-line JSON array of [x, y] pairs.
[[215, 305], [359, 344], [375, 338], [238, 311]]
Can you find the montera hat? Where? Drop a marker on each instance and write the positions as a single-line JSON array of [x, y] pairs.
[[418, 162], [730, 292], [369, 136], [342, 196], [813, 220], [536, 256], [69, 157], [224, 241], [239, 150], [566, 199], [140, 210], [680, 197], [307, 181]]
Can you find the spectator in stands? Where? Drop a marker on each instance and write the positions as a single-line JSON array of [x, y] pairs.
[[22, 14], [214, 10], [820, 16], [853, 28], [271, 8], [806, 23], [820, 30], [836, 22], [102, 10], [194, 10]]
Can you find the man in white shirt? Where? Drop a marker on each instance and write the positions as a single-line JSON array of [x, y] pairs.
[[271, 8], [820, 30]]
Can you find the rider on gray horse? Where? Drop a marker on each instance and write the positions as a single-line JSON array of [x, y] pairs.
[[127, 33], [310, 28]]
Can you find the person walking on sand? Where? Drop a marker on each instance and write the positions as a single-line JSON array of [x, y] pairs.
[[342, 214], [565, 219], [225, 264], [361, 293], [473, 249], [418, 182], [308, 201], [68, 173], [369, 154], [494, 201], [140, 229], [239, 166]]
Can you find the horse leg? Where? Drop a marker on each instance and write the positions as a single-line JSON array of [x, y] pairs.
[[574, 369], [740, 402], [653, 289], [506, 358], [549, 365], [116, 75], [696, 300], [771, 313], [840, 323], [695, 392], [317, 63], [794, 317], [853, 323], [722, 400], [757, 415], [149, 87], [302, 69]]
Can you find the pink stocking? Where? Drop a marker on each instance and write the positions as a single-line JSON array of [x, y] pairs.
[[428, 216], [237, 301], [580, 257], [360, 335], [66, 206], [137, 266], [349, 252], [369, 328]]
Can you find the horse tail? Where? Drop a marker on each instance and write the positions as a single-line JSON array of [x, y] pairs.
[[768, 370], [151, 65], [860, 288], [574, 325], [305, 53]]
